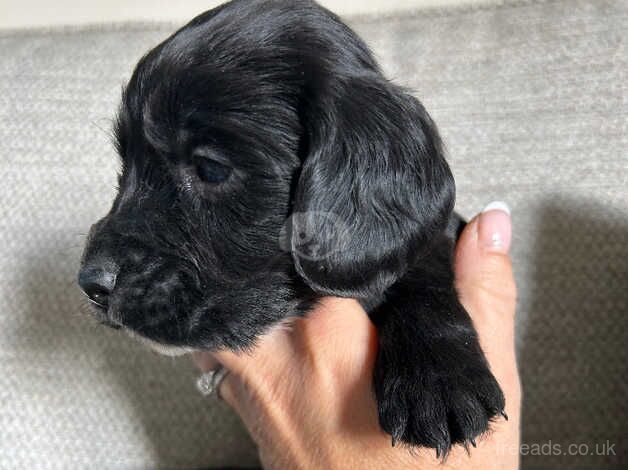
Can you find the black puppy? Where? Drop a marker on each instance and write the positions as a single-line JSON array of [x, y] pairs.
[[266, 162]]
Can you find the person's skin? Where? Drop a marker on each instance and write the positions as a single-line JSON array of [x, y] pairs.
[[304, 393]]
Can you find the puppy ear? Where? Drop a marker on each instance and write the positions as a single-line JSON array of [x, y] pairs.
[[373, 190]]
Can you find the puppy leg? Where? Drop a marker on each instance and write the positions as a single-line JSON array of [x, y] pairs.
[[433, 385]]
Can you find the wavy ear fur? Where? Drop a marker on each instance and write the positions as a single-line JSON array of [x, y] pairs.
[[374, 188]]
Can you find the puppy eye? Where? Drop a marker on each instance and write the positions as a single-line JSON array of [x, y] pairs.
[[212, 172]]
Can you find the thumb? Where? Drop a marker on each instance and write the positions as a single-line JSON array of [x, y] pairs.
[[484, 276], [485, 283]]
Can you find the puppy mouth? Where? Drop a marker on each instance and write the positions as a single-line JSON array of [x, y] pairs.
[[100, 308], [110, 324], [160, 348], [98, 300], [104, 317]]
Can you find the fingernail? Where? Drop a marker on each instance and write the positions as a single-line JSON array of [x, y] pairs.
[[495, 227]]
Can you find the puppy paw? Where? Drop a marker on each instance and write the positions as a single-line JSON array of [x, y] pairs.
[[436, 402]]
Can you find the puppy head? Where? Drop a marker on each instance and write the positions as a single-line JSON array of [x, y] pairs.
[[265, 162]]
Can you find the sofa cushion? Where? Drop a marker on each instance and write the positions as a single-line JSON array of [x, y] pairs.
[[531, 101]]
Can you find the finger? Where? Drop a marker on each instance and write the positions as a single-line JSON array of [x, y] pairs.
[[228, 389], [205, 361], [332, 324], [268, 348], [337, 338], [484, 279], [484, 276], [249, 366]]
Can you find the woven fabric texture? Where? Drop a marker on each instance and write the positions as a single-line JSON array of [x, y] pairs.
[[531, 99]]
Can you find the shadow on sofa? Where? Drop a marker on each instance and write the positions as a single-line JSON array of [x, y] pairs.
[[573, 355]]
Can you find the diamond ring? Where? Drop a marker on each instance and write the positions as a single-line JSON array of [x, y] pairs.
[[209, 382]]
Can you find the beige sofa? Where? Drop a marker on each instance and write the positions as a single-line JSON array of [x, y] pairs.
[[530, 97]]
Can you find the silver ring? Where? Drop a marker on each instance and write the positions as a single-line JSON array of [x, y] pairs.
[[209, 382]]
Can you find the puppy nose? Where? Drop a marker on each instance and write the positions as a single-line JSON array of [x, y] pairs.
[[97, 282]]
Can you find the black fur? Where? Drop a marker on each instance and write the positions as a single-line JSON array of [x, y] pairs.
[[338, 187]]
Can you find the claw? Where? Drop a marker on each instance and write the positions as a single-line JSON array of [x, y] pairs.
[[472, 442], [396, 435], [503, 413]]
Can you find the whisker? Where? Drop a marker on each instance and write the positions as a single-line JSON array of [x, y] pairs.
[[108, 132]]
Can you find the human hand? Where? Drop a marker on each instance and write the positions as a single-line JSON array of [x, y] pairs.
[[305, 392]]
